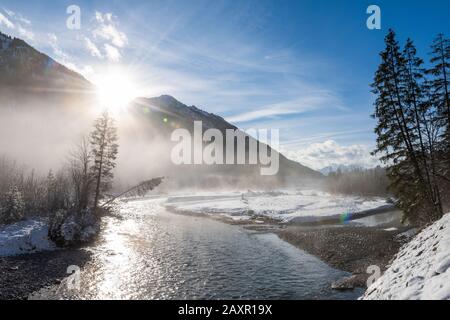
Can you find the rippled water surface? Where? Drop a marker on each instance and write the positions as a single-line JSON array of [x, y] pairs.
[[153, 254]]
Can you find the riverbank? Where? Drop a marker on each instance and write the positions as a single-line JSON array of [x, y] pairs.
[[348, 248], [22, 275]]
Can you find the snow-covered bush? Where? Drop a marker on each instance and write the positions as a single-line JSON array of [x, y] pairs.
[[12, 206], [69, 227]]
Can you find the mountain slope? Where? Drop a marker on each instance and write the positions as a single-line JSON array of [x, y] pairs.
[[22, 65], [166, 114]]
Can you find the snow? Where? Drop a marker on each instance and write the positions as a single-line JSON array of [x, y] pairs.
[[421, 270], [283, 206], [24, 237]]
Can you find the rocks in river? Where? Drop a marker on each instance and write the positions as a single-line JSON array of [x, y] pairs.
[[343, 284], [350, 283], [68, 228]]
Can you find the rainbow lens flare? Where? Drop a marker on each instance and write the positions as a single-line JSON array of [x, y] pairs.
[[345, 218]]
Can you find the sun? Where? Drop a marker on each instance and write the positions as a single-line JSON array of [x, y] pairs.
[[115, 90]]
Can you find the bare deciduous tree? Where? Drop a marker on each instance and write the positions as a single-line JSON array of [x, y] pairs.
[[80, 159]]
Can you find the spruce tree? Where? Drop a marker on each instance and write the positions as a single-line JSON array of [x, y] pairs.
[[399, 130], [440, 84], [104, 151], [420, 110], [439, 91]]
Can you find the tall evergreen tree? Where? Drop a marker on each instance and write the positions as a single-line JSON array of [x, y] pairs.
[[420, 110], [400, 141], [104, 150], [440, 84]]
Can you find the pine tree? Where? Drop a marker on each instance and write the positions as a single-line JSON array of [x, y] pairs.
[[104, 150], [439, 91], [399, 130], [420, 110], [440, 84]]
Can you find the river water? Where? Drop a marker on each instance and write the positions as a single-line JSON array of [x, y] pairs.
[[154, 254]]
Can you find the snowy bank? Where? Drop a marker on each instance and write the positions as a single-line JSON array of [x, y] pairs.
[[286, 206], [24, 237], [421, 270]]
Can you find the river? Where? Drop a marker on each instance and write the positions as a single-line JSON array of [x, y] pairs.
[[153, 254]]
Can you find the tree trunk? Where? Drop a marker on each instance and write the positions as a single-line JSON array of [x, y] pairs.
[[99, 174]]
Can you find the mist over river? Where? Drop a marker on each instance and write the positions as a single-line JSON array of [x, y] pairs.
[[153, 254]]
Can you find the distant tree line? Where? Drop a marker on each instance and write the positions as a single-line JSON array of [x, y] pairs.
[[359, 181], [412, 110]]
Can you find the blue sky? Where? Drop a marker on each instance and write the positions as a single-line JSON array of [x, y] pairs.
[[303, 67]]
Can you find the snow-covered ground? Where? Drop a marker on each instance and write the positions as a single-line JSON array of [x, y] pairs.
[[421, 270], [283, 206], [24, 237]]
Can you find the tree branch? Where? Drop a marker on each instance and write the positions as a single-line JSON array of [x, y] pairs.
[[141, 188]]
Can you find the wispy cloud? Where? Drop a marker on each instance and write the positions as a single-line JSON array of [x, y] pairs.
[[112, 53], [17, 16], [25, 33], [108, 30], [16, 21], [301, 142], [105, 40], [300, 105], [57, 51], [6, 22], [92, 47], [331, 153]]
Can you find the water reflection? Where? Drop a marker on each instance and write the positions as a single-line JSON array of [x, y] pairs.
[[153, 254]]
